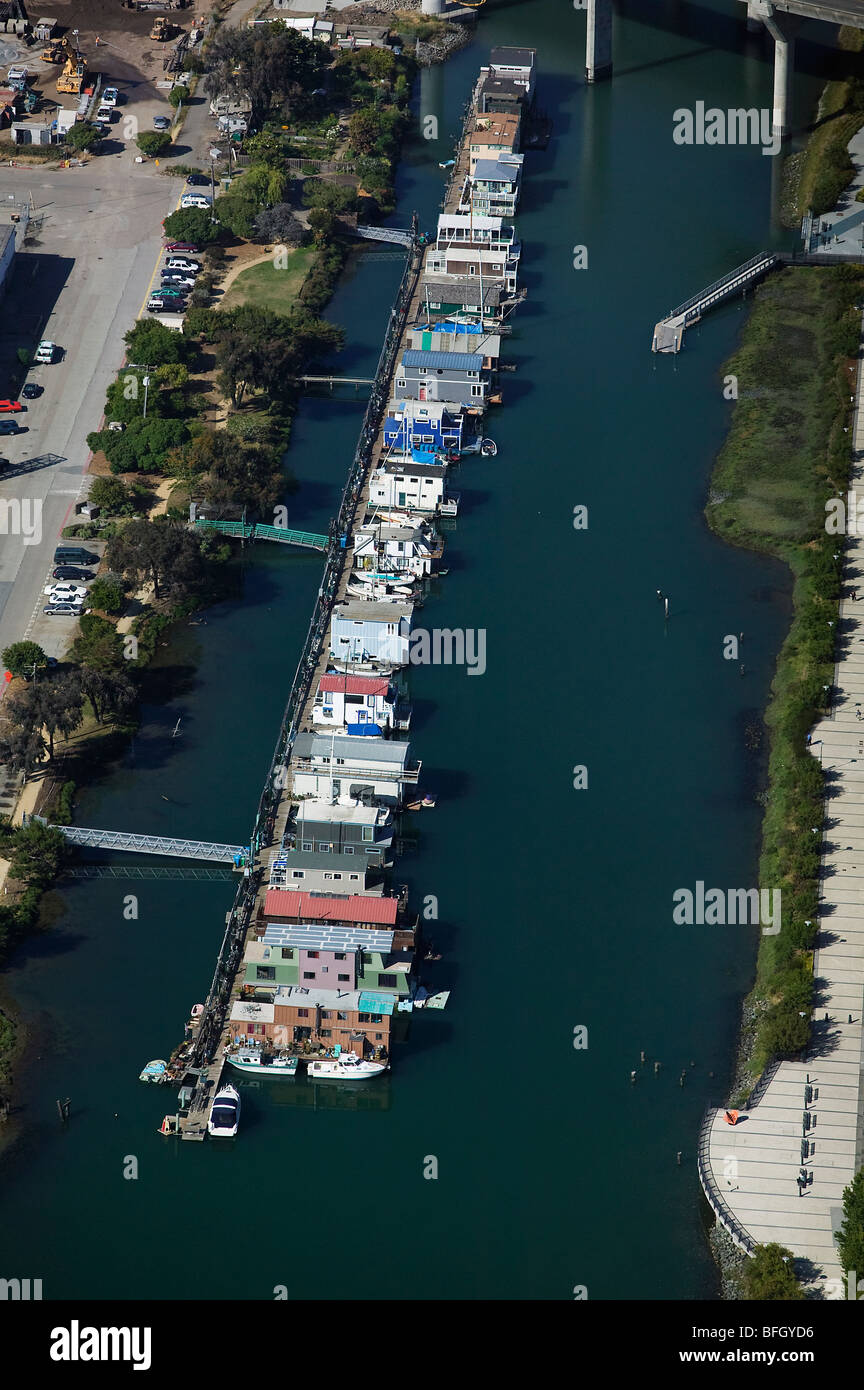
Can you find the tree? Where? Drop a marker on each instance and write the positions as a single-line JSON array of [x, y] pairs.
[[153, 142], [850, 1237], [143, 445], [769, 1275], [194, 225], [238, 472], [108, 595], [237, 212], [162, 552], [37, 853], [108, 693], [279, 224], [177, 95], [55, 706], [21, 750], [335, 197], [364, 128], [266, 66], [155, 344], [21, 658], [322, 224], [266, 148], [98, 646], [83, 135], [110, 494]]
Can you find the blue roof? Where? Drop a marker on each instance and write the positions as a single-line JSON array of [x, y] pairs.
[[460, 361], [375, 1003]]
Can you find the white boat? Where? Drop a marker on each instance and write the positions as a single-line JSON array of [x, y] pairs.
[[346, 1067], [224, 1113], [395, 593], [154, 1071], [252, 1060]]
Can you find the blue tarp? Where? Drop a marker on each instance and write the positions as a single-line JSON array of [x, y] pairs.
[[424, 456], [363, 730]]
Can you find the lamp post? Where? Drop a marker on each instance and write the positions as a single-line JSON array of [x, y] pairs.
[[214, 155], [146, 382]]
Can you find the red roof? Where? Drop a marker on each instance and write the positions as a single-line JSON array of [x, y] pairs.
[[281, 902], [355, 685]]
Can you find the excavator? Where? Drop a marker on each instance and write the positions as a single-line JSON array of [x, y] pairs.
[[74, 71]]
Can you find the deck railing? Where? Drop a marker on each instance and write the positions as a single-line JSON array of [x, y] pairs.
[[713, 1196]]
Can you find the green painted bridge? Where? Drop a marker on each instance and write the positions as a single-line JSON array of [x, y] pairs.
[[257, 531]]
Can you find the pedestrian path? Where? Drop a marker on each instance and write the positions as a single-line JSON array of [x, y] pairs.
[[806, 1117]]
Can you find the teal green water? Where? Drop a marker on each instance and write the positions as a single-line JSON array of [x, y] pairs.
[[555, 905]]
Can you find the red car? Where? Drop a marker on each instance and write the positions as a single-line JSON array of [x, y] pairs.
[[7, 406], [180, 246]]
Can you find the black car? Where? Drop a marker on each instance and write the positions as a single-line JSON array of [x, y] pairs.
[[71, 572], [198, 181], [31, 390]]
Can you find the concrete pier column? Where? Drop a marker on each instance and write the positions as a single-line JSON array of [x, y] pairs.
[[432, 7], [782, 30], [598, 41], [755, 16]]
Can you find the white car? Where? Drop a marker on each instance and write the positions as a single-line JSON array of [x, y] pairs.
[[182, 263], [110, 96], [65, 593], [195, 200], [45, 352]]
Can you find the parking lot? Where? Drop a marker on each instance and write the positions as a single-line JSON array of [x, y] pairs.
[[81, 283]]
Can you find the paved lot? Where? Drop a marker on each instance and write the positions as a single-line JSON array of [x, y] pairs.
[[82, 284]]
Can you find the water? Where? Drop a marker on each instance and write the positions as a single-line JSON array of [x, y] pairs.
[[554, 904]]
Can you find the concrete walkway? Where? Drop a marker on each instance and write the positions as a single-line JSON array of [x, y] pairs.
[[749, 1171]]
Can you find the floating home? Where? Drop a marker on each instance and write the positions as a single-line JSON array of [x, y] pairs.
[[317, 1019], [518, 65], [430, 427], [325, 873], [363, 632], [386, 548], [320, 827], [492, 188], [409, 487], [330, 957], [348, 770], [355, 705], [461, 297], [287, 906], [495, 134], [454, 377], [447, 336]]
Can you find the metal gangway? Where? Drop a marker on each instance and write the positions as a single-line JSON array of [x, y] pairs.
[[397, 235], [166, 845], [258, 531], [669, 332]]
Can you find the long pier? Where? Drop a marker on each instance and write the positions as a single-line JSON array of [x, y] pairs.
[[669, 332]]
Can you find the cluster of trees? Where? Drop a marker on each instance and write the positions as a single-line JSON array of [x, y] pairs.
[[273, 66], [36, 854], [850, 1237], [769, 1276], [257, 349], [160, 552], [54, 705]]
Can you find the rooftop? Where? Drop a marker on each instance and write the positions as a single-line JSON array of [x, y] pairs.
[[316, 859], [355, 685], [321, 812], [453, 361], [363, 610], [503, 87], [414, 470], [461, 289], [328, 936], [503, 170], [343, 747], [512, 57], [245, 1011], [282, 902], [353, 1001]]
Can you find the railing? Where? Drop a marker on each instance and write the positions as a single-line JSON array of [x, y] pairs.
[[718, 1204], [723, 282], [365, 773], [260, 531]]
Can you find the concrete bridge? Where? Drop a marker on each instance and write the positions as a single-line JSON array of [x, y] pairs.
[[782, 19]]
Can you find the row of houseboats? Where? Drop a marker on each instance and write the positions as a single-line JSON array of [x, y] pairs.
[[329, 977]]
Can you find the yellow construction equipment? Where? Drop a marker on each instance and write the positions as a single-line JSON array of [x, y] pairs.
[[74, 71], [53, 53], [161, 29]]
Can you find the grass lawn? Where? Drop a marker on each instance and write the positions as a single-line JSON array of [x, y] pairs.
[[268, 288]]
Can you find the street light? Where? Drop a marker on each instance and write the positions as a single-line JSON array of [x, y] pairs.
[[214, 155], [146, 382]]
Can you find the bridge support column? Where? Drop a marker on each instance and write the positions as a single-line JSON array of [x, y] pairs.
[[598, 41], [755, 16], [782, 30]]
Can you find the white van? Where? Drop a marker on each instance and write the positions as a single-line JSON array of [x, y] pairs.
[[195, 200]]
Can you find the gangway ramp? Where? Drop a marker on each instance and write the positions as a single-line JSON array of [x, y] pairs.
[[259, 531], [166, 845], [669, 332]]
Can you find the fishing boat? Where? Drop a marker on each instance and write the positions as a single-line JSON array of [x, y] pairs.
[[255, 1062], [224, 1119], [346, 1067], [154, 1071]]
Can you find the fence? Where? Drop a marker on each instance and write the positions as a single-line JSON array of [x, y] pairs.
[[238, 918], [719, 1206]]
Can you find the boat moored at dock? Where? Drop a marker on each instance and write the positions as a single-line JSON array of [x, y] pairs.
[[347, 1067], [224, 1118], [256, 1062]]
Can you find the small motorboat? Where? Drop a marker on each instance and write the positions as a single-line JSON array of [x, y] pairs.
[[154, 1071], [224, 1119], [446, 163], [197, 1010], [488, 448], [346, 1067], [253, 1060]]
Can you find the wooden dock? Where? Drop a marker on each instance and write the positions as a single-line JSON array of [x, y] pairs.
[[193, 1124]]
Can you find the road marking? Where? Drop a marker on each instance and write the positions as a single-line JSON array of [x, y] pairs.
[[158, 259]]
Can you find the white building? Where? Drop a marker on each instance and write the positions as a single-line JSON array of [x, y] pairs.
[[396, 550], [363, 632], [347, 770], [355, 705], [408, 487]]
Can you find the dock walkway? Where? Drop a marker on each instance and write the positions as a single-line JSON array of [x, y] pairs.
[[808, 1114]]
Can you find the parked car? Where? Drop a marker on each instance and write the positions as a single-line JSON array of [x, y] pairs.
[[69, 610], [165, 304], [198, 181], [65, 592], [177, 282], [46, 352], [161, 123], [74, 555], [182, 263], [195, 200], [171, 292], [10, 407], [110, 96], [11, 427], [181, 246], [31, 389], [71, 572], [105, 113]]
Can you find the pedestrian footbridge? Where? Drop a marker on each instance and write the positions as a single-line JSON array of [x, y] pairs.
[[165, 845], [396, 235], [669, 332], [257, 531]]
